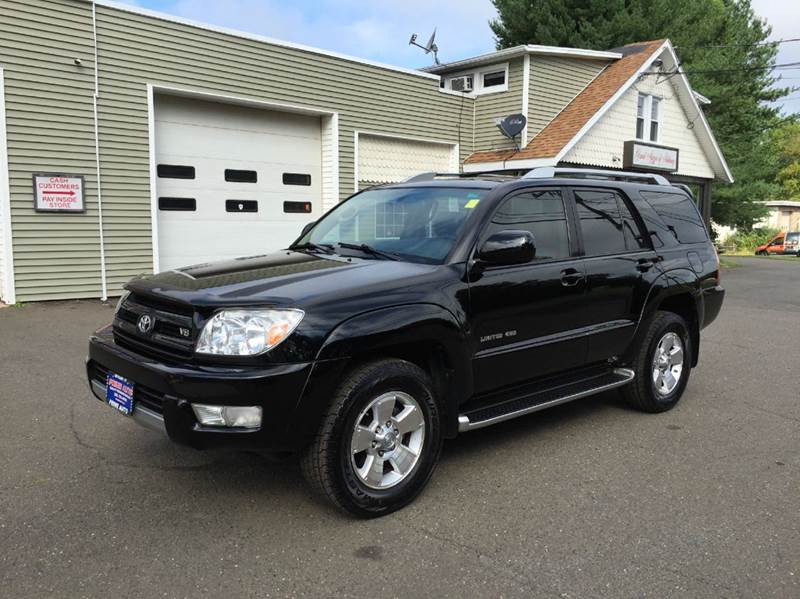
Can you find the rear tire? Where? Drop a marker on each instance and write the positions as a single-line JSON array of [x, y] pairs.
[[379, 442], [662, 365]]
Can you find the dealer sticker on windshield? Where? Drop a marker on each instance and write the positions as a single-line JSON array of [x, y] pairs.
[[119, 393]]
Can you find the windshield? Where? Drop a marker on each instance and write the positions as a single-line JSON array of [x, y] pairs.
[[416, 224], [793, 236]]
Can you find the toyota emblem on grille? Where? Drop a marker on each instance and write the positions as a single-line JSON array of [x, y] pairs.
[[145, 324]]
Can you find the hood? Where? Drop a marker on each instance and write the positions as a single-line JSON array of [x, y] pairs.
[[286, 278]]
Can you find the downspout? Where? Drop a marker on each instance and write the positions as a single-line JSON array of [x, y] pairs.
[[95, 98]]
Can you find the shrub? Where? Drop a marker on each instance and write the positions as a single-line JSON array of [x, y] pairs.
[[746, 242]]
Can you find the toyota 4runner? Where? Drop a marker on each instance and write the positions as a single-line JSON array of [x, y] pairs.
[[416, 311]]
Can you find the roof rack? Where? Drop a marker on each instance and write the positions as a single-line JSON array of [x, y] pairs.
[[550, 172]]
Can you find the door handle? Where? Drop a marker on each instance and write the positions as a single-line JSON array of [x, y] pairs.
[[645, 264], [571, 277]]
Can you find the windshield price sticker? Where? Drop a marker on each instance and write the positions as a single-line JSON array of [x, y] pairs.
[[58, 193]]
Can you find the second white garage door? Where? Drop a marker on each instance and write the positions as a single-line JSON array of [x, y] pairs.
[[389, 159], [232, 181]]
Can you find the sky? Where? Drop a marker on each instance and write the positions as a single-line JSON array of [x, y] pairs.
[[380, 29]]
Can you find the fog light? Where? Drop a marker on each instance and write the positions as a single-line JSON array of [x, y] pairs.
[[230, 416]]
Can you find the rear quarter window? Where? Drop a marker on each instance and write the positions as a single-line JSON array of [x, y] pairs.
[[679, 214]]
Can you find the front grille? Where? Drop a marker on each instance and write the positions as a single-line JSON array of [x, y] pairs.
[[149, 398], [172, 334]]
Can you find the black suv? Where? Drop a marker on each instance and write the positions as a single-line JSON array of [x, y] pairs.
[[412, 312]]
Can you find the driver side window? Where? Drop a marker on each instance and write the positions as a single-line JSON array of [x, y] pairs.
[[540, 212]]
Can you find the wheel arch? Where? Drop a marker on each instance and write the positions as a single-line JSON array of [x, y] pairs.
[[427, 335], [677, 291]]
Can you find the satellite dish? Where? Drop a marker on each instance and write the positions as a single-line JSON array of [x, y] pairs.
[[429, 47], [512, 125]]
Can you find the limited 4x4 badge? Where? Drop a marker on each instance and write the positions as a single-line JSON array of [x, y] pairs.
[[498, 336]]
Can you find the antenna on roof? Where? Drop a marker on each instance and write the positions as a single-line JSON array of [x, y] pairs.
[[429, 47]]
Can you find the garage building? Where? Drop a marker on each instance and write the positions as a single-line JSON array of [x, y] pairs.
[[134, 141]]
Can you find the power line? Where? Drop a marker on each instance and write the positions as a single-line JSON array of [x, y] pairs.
[[785, 66], [752, 45]]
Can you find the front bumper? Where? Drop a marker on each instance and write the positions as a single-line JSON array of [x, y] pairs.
[[163, 394]]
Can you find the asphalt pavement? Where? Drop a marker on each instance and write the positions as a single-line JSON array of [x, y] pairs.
[[590, 499]]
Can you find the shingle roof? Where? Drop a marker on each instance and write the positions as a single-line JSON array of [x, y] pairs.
[[558, 133]]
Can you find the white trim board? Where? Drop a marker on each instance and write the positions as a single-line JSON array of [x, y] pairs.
[[329, 120], [257, 38], [526, 90], [454, 149], [7, 259], [507, 53]]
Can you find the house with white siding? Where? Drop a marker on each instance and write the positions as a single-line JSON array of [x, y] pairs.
[[136, 141]]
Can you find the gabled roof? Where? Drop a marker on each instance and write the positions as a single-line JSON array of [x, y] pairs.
[[574, 121], [552, 139]]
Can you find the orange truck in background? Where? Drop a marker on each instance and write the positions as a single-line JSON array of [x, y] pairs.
[[785, 242]]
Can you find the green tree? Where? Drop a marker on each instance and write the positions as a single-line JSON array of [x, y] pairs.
[[721, 45], [787, 142]]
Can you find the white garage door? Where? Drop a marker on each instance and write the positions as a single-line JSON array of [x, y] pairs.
[[392, 159], [232, 181]]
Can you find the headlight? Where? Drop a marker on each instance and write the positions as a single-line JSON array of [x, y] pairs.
[[121, 300], [246, 332]]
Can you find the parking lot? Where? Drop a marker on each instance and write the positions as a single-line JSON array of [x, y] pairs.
[[587, 499]]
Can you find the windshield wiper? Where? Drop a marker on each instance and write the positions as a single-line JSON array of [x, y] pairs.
[[326, 248], [367, 249]]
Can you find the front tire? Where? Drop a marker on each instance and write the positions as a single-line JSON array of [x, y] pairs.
[[662, 365], [379, 442]]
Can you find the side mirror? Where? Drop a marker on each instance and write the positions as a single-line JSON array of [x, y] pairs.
[[307, 228], [508, 247]]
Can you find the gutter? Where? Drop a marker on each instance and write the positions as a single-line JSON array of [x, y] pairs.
[[95, 98]]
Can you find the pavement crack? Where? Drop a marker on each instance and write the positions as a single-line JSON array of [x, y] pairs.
[[773, 413], [76, 435], [483, 559]]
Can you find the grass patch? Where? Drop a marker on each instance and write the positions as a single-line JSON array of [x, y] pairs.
[[728, 262]]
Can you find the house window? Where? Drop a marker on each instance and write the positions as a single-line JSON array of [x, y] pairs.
[[648, 118], [485, 80], [494, 79]]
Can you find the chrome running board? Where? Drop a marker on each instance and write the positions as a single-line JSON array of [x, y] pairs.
[[541, 400]]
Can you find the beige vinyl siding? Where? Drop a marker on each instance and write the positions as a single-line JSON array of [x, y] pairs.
[[489, 107], [603, 144], [51, 125], [135, 50], [50, 128], [554, 82]]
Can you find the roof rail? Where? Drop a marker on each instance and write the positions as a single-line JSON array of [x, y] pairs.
[[426, 176], [430, 176], [550, 172]]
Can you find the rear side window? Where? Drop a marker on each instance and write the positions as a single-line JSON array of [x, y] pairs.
[[602, 225], [680, 215], [540, 212]]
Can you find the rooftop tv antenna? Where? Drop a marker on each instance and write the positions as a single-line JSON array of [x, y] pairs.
[[429, 47]]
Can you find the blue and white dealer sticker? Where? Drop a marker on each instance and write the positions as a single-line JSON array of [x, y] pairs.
[[119, 393]]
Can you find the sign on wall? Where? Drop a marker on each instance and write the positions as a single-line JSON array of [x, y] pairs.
[[640, 155], [58, 193]]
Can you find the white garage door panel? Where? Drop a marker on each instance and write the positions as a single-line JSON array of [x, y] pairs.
[[214, 137]]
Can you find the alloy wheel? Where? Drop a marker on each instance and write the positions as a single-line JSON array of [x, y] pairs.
[[387, 440], [668, 363]]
